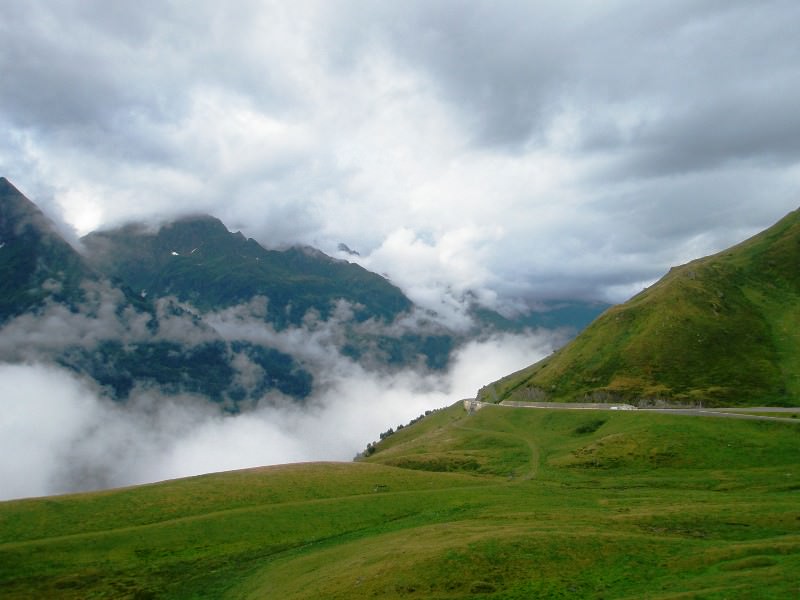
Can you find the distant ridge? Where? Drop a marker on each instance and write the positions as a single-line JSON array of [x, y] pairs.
[[724, 329], [197, 259]]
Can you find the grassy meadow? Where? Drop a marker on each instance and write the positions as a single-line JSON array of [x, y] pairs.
[[506, 503]]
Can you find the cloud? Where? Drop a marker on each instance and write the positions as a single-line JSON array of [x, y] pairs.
[[59, 434], [104, 314], [582, 149], [437, 274], [43, 410]]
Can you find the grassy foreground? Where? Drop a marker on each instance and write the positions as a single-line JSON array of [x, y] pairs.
[[506, 503]]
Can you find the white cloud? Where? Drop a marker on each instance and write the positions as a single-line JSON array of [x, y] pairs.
[[44, 410], [58, 435], [593, 144]]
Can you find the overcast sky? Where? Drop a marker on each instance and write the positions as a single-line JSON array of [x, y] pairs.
[[515, 149]]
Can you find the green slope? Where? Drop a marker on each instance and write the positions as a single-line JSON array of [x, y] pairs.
[[722, 330], [539, 504], [198, 260]]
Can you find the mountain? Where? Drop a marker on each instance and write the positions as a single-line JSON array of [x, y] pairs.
[[145, 309], [197, 260], [36, 264], [57, 307], [573, 315], [721, 330], [191, 307]]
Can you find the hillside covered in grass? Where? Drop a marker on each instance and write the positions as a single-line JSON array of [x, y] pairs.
[[506, 503], [721, 330]]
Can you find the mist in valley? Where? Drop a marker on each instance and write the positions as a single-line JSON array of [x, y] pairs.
[[62, 432]]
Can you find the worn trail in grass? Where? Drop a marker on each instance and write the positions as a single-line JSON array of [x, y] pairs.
[[506, 503]]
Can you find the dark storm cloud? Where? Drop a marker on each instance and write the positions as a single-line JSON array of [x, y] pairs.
[[727, 131]]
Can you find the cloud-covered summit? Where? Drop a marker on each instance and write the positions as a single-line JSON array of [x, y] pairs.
[[512, 150]]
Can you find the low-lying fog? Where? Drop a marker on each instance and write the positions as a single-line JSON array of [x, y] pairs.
[[60, 434]]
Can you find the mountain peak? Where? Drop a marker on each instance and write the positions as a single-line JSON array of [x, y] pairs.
[[197, 259], [18, 213], [199, 219], [35, 260]]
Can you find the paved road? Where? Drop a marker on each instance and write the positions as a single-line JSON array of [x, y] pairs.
[[723, 412], [473, 405]]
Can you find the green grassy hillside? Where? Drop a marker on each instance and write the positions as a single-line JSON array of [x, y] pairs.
[[198, 260], [506, 503], [722, 330]]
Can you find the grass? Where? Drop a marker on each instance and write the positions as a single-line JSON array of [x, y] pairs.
[[721, 331], [506, 503]]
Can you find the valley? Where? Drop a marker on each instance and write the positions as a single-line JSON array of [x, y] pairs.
[[611, 468]]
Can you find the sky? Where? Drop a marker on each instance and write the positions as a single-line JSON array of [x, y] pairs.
[[518, 151]]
